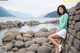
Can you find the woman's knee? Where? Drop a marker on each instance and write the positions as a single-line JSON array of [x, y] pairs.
[[50, 37]]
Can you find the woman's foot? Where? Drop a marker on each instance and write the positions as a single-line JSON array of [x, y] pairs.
[[60, 47]]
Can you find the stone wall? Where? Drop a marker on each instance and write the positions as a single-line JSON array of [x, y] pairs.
[[72, 42]]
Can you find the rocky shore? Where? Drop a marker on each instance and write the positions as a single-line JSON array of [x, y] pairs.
[[13, 24], [15, 41]]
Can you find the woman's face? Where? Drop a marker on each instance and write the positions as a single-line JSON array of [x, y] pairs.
[[61, 10]]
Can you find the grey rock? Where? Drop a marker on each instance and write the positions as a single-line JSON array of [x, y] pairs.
[[43, 49], [19, 44]]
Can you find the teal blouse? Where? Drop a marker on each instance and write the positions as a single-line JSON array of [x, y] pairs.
[[63, 22]]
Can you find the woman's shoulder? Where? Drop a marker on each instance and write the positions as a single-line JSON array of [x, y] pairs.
[[66, 14]]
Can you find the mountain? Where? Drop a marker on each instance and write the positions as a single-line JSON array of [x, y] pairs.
[[52, 14], [5, 13], [19, 14], [9, 13]]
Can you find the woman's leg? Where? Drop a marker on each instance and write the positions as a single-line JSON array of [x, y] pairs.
[[52, 39], [56, 43]]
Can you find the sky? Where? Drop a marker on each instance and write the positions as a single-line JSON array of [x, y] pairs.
[[35, 7]]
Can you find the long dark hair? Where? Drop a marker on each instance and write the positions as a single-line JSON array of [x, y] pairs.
[[64, 8]]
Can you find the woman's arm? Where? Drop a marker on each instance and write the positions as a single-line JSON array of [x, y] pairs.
[[64, 22]]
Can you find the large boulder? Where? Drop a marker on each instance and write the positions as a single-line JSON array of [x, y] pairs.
[[19, 44], [14, 31], [8, 37], [44, 49]]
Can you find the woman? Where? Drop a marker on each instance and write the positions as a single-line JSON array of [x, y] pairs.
[[62, 30]]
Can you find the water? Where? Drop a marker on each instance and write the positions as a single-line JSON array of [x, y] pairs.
[[26, 27]]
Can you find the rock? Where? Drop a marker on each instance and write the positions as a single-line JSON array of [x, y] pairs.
[[30, 52], [40, 40], [22, 33], [2, 25], [11, 24], [19, 37], [15, 49], [19, 23], [78, 6], [28, 43], [31, 32], [77, 26], [53, 30], [53, 50], [27, 35], [43, 49], [10, 52], [78, 35], [45, 44], [19, 44], [14, 31], [35, 45], [2, 49], [8, 37], [32, 48], [13, 41], [8, 46], [22, 50], [27, 39], [44, 29], [35, 39], [40, 34]]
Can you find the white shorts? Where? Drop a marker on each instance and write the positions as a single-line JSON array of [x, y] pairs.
[[62, 33]]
